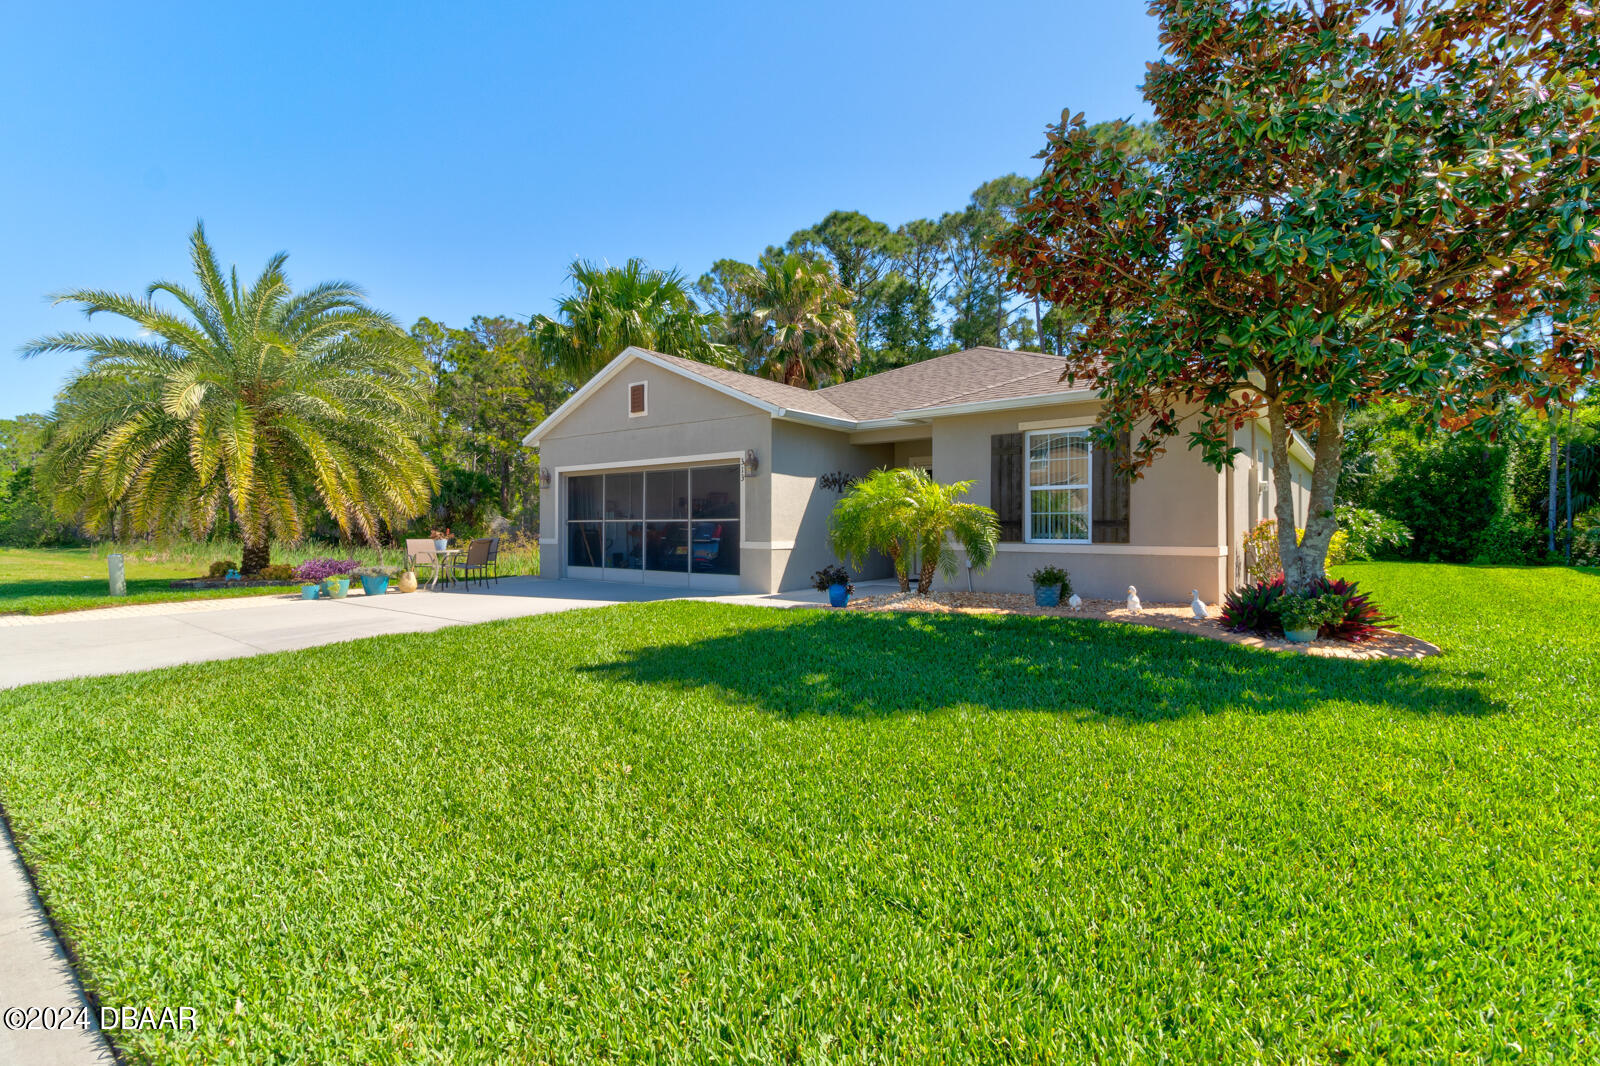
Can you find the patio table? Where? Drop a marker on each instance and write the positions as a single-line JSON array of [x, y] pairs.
[[445, 561]]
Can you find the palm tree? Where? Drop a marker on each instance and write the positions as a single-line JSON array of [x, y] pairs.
[[797, 326], [941, 517], [256, 404], [612, 308], [876, 515], [904, 513]]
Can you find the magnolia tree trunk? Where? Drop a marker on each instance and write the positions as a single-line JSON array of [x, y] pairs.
[[257, 554], [1304, 563]]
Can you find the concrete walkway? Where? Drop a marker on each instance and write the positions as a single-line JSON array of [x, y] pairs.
[[116, 640]]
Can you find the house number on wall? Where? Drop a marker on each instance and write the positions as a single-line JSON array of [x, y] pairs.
[[838, 481]]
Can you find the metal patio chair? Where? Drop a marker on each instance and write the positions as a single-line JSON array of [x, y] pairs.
[[480, 559]]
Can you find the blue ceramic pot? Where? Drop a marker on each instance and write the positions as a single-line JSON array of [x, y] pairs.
[[1300, 636], [310, 592], [336, 587], [374, 586], [838, 595], [1047, 595]]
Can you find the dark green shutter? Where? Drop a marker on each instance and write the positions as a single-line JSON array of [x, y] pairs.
[[1111, 492], [1006, 482]]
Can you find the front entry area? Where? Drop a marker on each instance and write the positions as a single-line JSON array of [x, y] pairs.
[[677, 526]]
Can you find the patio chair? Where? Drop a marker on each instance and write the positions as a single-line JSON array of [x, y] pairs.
[[480, 556], [421, 553]]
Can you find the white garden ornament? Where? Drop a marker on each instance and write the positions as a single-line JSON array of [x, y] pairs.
[[1196, 606], [1133, 601], [1074, 601]]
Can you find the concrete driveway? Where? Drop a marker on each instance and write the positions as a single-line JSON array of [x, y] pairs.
[[116, 640]]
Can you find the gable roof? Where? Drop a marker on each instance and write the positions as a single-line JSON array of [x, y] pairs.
[[971, 379], [946, 379]]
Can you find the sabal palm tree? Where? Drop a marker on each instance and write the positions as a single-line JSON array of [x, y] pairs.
[[612, 308], [255, 403], [798, 326], [905, 514]]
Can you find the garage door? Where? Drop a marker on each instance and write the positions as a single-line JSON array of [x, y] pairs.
[[672, 526]]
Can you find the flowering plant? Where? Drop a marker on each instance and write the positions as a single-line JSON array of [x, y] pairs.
[[316, 570]]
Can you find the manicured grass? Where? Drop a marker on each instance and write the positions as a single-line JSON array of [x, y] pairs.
[[692, 832], [50, 580]]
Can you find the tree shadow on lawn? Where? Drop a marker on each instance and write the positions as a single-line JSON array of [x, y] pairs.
[[881, 664]]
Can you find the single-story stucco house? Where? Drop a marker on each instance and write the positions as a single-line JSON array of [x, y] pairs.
[[669, 471]]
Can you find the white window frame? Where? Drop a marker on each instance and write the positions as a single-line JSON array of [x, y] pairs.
[[644, 395], [1028, 487]]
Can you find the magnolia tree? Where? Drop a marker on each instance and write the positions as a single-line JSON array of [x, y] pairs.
[[1352, 201]]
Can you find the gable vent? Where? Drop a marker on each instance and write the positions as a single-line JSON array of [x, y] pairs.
[[636, 399]]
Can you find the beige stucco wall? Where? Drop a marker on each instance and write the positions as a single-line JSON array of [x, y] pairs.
[[801, 454], [682, 419], [1177, 529]]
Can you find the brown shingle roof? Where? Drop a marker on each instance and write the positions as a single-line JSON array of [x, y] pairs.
[[774, 392], [970, 376], [940, 380]]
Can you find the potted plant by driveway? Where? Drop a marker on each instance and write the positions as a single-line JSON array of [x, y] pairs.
[[1303, 616], [1050, 583], [374, 580], [311, 591], [336, 585], [835, 581], [407, 581]]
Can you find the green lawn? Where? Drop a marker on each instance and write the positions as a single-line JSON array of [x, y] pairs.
[[693, 832], [50, 580]]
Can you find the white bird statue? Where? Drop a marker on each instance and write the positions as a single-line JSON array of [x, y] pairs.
[[1074, 601], [1197, 607], [1133, 600]]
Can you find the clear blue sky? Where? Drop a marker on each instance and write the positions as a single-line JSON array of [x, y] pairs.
[[453, 159]]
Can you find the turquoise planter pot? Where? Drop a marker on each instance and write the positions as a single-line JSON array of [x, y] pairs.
[[374, 586], [310, 592], [336, 587], [1047, 595], [839, 595], [1300, 636]]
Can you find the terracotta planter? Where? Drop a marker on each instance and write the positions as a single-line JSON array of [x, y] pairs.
[[407, 582]]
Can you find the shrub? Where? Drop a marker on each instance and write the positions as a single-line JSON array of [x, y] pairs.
[[313, 571], [276, 572], [1309, 612], [1510, 539], [1370, 535], [1253, 608], [1046, 576], [1586, 547], [830, 576], [221, 567], [1250, 607], [1261, 561]]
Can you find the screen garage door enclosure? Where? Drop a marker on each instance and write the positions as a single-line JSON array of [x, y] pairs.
[[661, 526]]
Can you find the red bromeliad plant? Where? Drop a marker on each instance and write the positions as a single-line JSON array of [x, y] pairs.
[[1252, 607], [1352, 200]]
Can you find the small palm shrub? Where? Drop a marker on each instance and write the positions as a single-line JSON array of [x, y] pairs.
[[1253, 608], [221, 567]]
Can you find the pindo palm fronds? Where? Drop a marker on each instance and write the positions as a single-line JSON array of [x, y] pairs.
[[251, 402]]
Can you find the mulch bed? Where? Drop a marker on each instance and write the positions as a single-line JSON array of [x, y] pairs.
[[1174, 616], [219, 583]]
